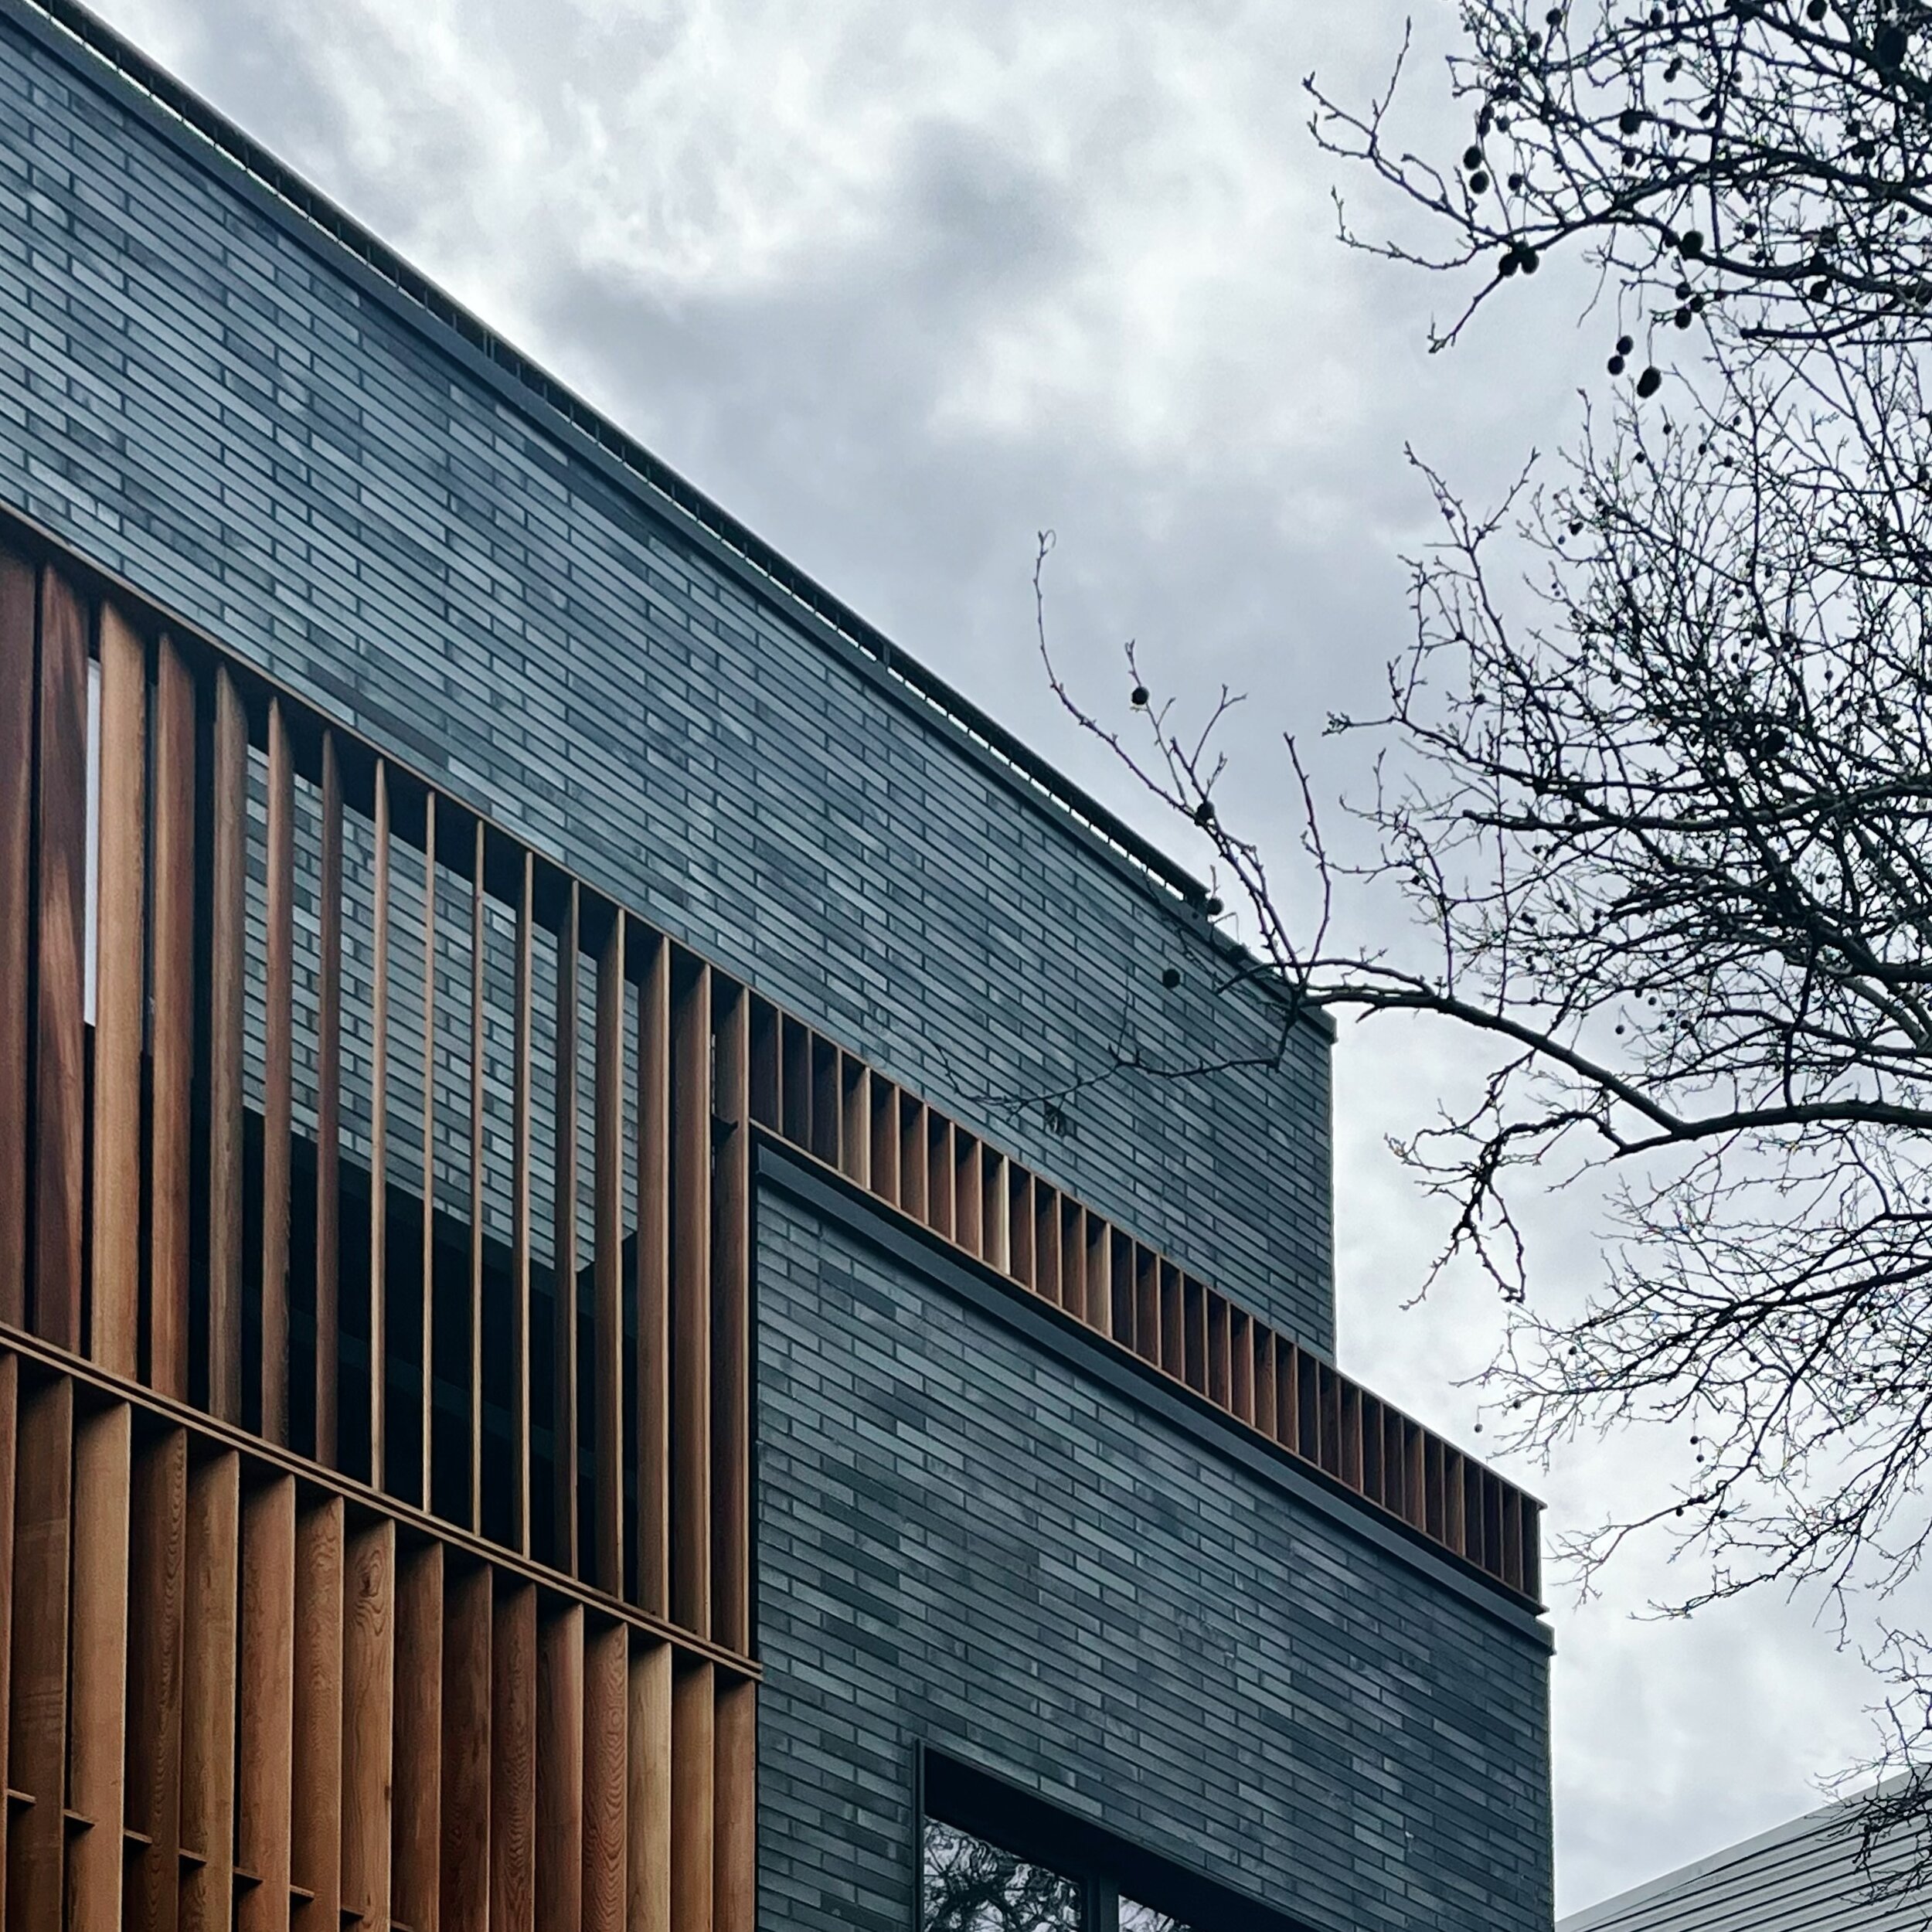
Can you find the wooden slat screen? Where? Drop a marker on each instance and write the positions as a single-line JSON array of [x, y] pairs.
[[376, 1136], [246, 1696], [908, 1156]]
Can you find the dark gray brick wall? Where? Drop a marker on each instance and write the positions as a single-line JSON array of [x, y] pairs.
[[965, 1541], [209, 405]]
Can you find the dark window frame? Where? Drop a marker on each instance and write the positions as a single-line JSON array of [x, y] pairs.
[[953, 1791]]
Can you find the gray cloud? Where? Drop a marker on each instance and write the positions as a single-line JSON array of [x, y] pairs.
[[902, 285]]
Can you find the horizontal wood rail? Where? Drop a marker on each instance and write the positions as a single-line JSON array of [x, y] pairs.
[[824, 1102]]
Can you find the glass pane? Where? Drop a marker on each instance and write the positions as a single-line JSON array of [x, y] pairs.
[[973, 1887], [1143, 1918]]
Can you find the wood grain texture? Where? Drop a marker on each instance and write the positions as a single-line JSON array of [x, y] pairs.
[[328, 1108], [513, 1761], [563, 1399], [264, 1798], [18, 675], [607, 1264], [885, 1139], [426, 1276], [606, 1729], [465, 1862], [559, 1772], [731, 1324], [97, 1689], [369, 1698], [120, 997], [9, 1460], [735, 1884], [278, 1080], [653, 1283], [652, 1288], [416, 1888], [520, 1212], [228, 928], [60, 1051], [208, 1693], [693, 1785], [37, 1741], [647, 1789], [378, 1144], [473, 1352], [172, 968], [315, 1850], [690, 1297]]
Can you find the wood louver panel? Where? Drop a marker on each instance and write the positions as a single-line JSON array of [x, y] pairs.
[[237, 1694], [348, 1081], [991, 1210]]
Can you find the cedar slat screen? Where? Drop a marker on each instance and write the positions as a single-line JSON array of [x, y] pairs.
[[887, 1141], [341, 1117]]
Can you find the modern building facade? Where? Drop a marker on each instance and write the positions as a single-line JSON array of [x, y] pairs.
[[589, 1336]]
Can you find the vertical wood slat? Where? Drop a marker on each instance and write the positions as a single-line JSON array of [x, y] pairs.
[[277, 1111], [522, 1053], [854, 1115], [59, 1056], [691, 1299], [1046, 1243], [1019, 1221], [647, 1790], [208, 1694], [98, 1739], [416, 1852], [606, 1726], [563, 1407], [467, 1754], [559, 1772], [607, 1259], [228, 923], [120, 996], [731, 1327], [369, 1698], [478, 960], [19, 674], [9, 1460], [653, 1284], [968, 1197], [427, 1275], [266, 1717], [999, 1226], [913, 1166], [37, 1742], [157, 1584], [735, 1890], [329, 1108], [938, 1174], [315, 1862], [693, 1788], [885, 1139], [172, 968], [378, 1143], [513, 1762]]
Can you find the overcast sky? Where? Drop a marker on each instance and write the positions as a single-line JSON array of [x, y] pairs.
[[899, 285]]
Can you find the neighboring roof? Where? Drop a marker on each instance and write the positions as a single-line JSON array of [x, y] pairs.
[[1805, 1876], [180, 115]]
